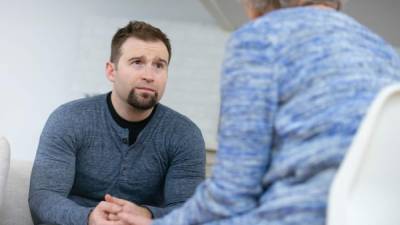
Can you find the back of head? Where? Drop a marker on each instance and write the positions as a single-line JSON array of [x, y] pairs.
[[263, 6], [336, 4], [140, 30]]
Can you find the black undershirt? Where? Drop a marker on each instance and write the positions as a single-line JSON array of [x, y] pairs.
[[134, 127]]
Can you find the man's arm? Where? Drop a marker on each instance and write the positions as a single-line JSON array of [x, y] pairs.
[[186, 171], [53, 175]]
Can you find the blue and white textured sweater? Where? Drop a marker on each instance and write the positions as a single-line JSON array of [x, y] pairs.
[[295, 85]]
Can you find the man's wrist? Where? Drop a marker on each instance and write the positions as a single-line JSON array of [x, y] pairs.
[[89, 216], [147, 212]]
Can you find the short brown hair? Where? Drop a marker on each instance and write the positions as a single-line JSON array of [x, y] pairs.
[[140, 30]]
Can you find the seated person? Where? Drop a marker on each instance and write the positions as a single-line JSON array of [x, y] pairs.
[[123, 143], [296, 82]]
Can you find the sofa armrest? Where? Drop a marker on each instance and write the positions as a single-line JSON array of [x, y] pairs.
[[4, 166], [15, 210]]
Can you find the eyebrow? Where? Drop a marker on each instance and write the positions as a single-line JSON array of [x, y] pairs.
[[141, 57], [135, 58], [162, 60]]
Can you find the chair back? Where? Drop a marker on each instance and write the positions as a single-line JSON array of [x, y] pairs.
[[366, 189]]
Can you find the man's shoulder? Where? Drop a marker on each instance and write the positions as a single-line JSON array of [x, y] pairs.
[[276, 25], [181, 130], [176, 119], [79, 110], [83, 104]]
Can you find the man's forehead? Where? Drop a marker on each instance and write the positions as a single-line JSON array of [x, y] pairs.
[[137, 47]]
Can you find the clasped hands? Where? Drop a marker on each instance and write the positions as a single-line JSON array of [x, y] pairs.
[[116, 211]]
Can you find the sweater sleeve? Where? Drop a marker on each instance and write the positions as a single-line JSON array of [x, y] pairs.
[[53, 175], [248, 105], [186, 170]]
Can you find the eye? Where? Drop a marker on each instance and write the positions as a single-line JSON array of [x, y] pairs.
[[159, 65], [137, 61]]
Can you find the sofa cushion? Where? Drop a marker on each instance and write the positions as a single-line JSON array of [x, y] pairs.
[[4, 166], [15, 206]]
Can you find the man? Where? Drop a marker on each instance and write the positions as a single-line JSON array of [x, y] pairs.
[[296, 82], [123, 143]]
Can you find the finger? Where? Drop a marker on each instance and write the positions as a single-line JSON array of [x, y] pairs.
[[109, 207], [113, 217], [134, 219], [113, 223], [128, 218], [108, 198], [116, 200], [105, 221]]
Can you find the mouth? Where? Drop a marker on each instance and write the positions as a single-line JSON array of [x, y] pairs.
[[145, 89]]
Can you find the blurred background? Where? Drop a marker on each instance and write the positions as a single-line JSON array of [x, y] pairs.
[[54, 51]]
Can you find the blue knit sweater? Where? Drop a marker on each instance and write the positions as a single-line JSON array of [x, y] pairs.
[[295, 85]]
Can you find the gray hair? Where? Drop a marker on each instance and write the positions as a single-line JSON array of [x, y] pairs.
[[264, 5]]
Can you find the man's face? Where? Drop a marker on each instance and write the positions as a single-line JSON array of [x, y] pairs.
[[141, 73]]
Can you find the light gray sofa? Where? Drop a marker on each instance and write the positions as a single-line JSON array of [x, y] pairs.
[[4, 166], [14, 186]]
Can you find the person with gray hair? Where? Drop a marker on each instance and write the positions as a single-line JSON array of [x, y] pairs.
[[276, 4], [296, 82]]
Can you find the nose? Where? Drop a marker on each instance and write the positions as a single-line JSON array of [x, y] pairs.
[[148, 74]]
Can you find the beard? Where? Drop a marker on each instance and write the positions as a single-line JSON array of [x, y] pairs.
[[142, 101]]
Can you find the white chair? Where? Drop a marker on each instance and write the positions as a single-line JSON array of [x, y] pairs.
[[366, 189]]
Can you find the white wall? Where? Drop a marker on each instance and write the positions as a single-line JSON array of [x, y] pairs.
[[54, 51]]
